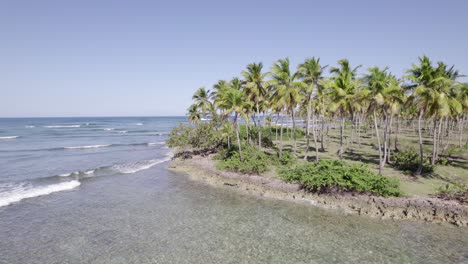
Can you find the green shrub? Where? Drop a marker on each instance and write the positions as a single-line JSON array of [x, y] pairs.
[[287, 159], [180, 136], [454, 192], [254, 161], [409, 161], [203, 136], [336, 176]]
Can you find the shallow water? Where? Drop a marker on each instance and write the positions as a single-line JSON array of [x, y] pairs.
[[157, 216]]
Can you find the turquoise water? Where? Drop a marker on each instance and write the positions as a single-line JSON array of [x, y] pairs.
[[131, 209]]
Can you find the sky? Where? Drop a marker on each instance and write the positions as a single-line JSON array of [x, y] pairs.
[[146, 58]]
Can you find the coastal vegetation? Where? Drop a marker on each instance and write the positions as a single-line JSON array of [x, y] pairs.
[[334, 130]]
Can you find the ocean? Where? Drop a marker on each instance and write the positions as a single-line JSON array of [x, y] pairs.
[[97, 190]]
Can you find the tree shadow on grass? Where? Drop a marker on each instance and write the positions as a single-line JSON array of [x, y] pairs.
[[351, 154]]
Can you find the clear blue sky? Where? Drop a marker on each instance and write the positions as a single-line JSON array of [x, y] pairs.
[[121, 58]]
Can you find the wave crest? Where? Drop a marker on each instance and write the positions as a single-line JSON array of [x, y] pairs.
[[87, 147], [23, 191], [9, 137]]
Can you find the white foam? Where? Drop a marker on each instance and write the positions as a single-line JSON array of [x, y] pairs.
[[123, 132], [9, 137], [108, 129], [29, 126], [139, 166], [138, 124], [70, 126], [89, 172], [65, 174], [87, 147], [23, 191], [155, 143]]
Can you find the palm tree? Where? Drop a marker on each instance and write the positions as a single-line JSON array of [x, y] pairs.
[[434, 97], [193, 114], [285, 90], [311, 72], [202, 100], [344, 92], [384, 94], [234, 101], [255, 90]]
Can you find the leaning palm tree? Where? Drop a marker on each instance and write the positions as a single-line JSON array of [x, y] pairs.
[[255, 90], [286, 90], [193, 115], [344, 88], [311, 72], [202, 100], [235, 102]]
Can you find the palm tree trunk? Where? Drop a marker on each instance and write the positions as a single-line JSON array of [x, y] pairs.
[[460, 130], [276, 127], [434, 142], [281, 138], [294, 129], [341, 136], [378, 144], [259, 128], [309, 109], [322, 133], [315, 138], [390, 132], [359, 130], [421, 150], [239, 141], [396, 134], [438, 140]]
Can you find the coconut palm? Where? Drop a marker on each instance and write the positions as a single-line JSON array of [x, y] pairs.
[[311, 72], [193, 114], [202, 100], [286, 90], [234, 101], [385, 96], [344, 90], [434, 96], [254, 89]]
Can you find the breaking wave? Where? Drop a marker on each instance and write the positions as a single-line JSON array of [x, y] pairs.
[[24, 191]]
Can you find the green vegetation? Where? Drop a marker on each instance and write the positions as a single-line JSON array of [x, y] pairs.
[[408, 161], [254, 161], [266, 121], [333, 175]]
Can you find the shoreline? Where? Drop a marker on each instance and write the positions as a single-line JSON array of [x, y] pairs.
[[425, 209]]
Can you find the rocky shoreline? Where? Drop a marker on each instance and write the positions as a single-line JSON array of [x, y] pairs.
[[432, 210]]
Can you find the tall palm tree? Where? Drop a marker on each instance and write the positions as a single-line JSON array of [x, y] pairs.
[[234, 101], [255, 90], [311, 72], [434, 96], [286, 90], [344, 87], [385, 96]]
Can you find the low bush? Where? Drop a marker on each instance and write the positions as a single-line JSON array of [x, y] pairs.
[[287, 159], [254, 161], [203, 136], [457, 192], [328, 176], [409, 161]]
